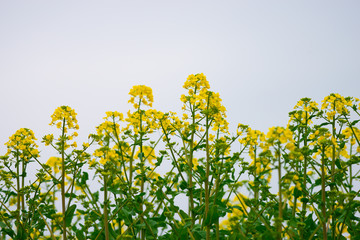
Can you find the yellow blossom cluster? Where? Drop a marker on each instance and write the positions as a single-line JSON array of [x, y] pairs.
[[304, 109], [141, 94], [22, 144], [217, 112], [253, 137], [34, 234], [170, 123], [353, 134], [280, 135], [196, 82], [323, 138], [106, 155], [221, 146], [114, 116], [54, 163], [48, 139], [145, 121], [307, 105], [148, 153], [64, 116], [239, 209], [153, 174], [197, 87], [200, 99], [263, 168], [336, 104], [111, 126], [121, 151]]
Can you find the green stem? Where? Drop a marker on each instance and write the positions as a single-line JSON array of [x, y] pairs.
[[305, 154], [207, 179], [190, 163], [350, 170], [333, 220], [279, 224], [323, 197], [63, 179], [18, 191], [22, 187], [142, 232], [106, 225], [256, 192]]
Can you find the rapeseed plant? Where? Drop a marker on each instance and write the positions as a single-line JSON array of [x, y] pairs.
[[300, 181]]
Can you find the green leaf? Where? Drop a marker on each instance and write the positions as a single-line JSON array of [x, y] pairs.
[[141, 156], [297, 193], [355, 122], [159, 194], [69, 214], [84, 177], [80, 235], [159, 160], [184, 214], [183, 185], [338, 164], [8, 231], [212, 215]]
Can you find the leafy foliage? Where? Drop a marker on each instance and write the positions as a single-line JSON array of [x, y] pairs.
[[154, 175]]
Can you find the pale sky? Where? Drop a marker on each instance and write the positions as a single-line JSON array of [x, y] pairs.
[[261, 56]]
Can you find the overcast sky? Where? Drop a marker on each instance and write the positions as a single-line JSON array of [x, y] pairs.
[[261, 56]]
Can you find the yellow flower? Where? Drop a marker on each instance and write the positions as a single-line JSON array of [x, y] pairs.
[[13, 201], [22, 143], [64, 116], [277, 135], [35, 233], [196, 82], [141, 94], [203, 103], [149, 154], [55, 163], [47, 139], [290, 146], [147, 120], [238, 211], [336, 104]]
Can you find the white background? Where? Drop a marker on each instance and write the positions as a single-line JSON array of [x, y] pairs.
[[261, 56]]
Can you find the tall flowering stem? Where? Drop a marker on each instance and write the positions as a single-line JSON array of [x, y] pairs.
[[21, 148], [278, 138], [300, 121], [65, 119]]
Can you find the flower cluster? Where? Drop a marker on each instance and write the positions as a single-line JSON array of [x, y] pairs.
[[22, 144], [239, 209], [216, 111], [305, 109], [336, 104], [64, 116], [145, 121], [353, 134], [196, 82], [208, 103], [148, 154], [54, 163], [141, 94], [111, 126], [197, 87], [106, 155], [253, 137], [279, 135]]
